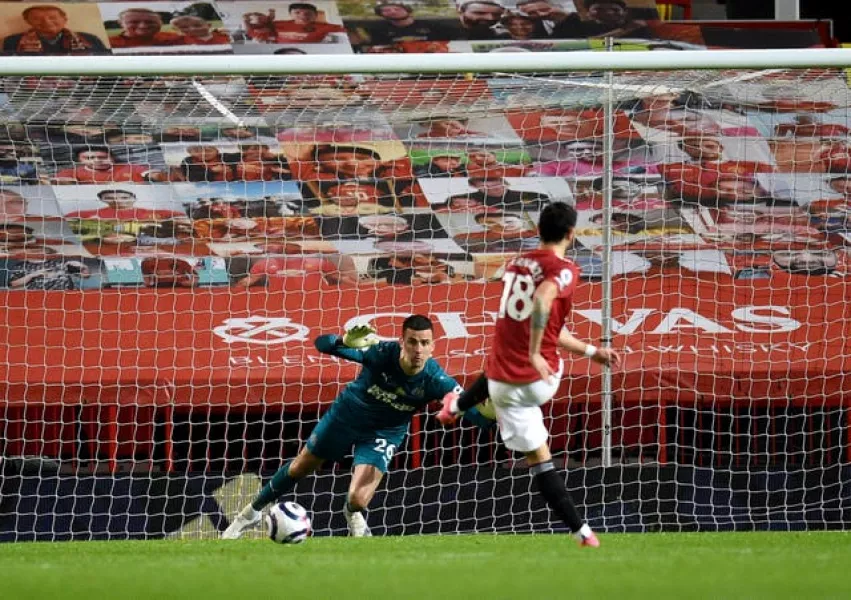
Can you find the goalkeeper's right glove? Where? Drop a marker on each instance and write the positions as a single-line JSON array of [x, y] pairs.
[[360, 336], [448, 410]]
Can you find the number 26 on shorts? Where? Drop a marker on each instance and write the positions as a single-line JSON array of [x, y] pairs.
[[385, 450]]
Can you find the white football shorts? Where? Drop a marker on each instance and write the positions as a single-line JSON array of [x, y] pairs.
[[518, 411]]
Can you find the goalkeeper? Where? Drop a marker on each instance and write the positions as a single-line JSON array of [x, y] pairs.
[[371, 414]]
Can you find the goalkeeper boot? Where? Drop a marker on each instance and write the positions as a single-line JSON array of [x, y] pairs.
[[246, 519], [589, 541], [357, 523], [448, 412]]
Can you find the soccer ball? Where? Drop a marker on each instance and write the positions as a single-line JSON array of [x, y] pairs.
[[288, 523]]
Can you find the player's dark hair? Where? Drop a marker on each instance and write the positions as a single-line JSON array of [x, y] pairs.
[[590, 3], [80, 150], [247, 145], [509, 17], [329, 149], [15, 227], [417, 323], [102, 192], [43, 7], [463, 7], [301, 5], [407, 7], [691, 139], [557, 221]]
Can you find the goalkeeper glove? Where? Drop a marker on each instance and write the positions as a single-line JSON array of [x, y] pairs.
[[360, 336]]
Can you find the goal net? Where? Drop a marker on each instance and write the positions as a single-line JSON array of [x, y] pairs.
[[173, 244]]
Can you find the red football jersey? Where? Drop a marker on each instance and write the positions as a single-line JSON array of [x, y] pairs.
[[290, 32], [126, 214], [698, 180], [160, 38], [79, 174], [508, 360]]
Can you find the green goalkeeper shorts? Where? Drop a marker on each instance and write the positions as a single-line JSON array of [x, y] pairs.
[[333, 438]]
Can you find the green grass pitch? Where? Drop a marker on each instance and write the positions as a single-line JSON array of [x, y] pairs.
[[487, 567]]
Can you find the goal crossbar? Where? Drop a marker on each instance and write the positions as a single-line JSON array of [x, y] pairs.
[[425, 63]]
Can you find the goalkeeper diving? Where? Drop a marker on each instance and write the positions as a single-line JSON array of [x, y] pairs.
[[369, 418]]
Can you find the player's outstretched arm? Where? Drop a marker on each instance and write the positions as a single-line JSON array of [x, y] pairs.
[[351, 346], [603, 356]]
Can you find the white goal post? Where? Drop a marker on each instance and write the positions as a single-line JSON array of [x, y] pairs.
[[178, 230], [544, 62]]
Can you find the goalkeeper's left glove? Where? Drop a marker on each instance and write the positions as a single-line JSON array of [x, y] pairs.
[[360, 336]]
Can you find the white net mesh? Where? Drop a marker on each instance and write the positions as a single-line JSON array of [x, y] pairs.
[[203, 231]]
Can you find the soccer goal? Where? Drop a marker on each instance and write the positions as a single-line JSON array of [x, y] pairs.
[[178, 230]]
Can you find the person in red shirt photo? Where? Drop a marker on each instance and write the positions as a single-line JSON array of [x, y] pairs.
[[524, 366], [788, 98], [835, 157], [121, 206], [197, 31], [214, 208], [96, 164], [257, 162], [448, 128], [700, 178], [258, 27], [304, 27], [484, 164], [13, 206], [331, 162], [204, 163], [440, 164], [48, 34], [809, 126], [735, 190], [353, 198], [141, 27], [841, 185], [681, 114], [272, 270], [413, 269], [568, 125], [170, 272]]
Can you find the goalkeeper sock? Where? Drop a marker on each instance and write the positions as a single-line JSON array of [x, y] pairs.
[[477, 393], [552, 488], [351, 509], [280, 484]]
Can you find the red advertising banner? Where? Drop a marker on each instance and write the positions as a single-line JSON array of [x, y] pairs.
[[685, 340]]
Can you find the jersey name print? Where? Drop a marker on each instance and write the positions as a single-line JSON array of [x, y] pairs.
[[509, 362]]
